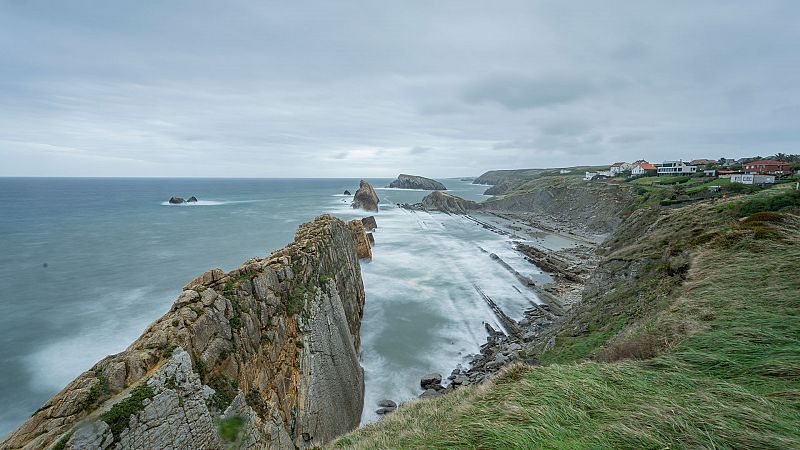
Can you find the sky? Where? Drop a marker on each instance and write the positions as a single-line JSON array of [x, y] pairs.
[[375, 88]]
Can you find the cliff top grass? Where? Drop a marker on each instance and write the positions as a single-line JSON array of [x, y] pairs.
[[708, 357]]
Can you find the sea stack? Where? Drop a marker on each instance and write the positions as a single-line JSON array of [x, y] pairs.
[[404, 181], [176, 200], [365, 197]]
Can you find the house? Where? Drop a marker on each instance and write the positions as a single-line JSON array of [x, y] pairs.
[[675, 168], [749, 178], [617, 168], [710, 172], [767, 166], [642, 168]]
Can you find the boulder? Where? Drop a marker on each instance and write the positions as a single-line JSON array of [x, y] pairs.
[[192, 199], [430, 381], [369, 223], [347, 193], [385, 410], [430, 393], [365, 197], [176, 200], [404, 181], [386, 403]]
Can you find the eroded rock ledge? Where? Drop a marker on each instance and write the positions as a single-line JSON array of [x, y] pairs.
[[265, 356]]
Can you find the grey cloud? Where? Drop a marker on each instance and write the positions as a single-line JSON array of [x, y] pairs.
[[521, 92], [359, 89]]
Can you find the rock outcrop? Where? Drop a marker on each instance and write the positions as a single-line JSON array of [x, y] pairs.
[[177, 200], [369, 223], [404, 181], [265, 356], [365, 197], [441, 201]]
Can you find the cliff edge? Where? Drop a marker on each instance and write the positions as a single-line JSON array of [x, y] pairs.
[[265, 356]]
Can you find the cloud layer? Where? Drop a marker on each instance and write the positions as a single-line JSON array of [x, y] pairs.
[[270, 89]]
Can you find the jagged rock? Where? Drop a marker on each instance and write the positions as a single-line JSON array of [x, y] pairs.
[[347, 193], [430, 393], [362, 239], [176, 200], [369, 223], [430, 381], [371, 239], [192, 199], [404, 181], [365, 197], [441, 201], [386, 403], [274, 342]]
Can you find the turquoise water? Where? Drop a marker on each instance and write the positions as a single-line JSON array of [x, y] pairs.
[[87, 264]]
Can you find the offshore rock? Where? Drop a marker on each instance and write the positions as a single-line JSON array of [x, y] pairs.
[[271, 347], [192, 199], [176, 200], [365, 197], [404, 181], [369, 223], [346, 192]]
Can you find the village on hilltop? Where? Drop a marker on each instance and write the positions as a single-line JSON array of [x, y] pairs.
[[754, 170]]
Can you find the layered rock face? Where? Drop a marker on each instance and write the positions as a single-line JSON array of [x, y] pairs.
[[365, 197], [404, 181], [265, 356], [441, 201]]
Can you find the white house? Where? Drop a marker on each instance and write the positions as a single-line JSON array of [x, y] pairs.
[[642, 168], [617, 168], [749, 178], [675, 168]]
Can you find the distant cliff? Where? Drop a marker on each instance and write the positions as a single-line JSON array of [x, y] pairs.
[[404, 181], [265, 356]]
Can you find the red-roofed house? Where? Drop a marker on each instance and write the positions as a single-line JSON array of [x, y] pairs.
[[767, 166]]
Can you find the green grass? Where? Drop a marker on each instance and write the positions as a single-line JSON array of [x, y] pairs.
[[725, 372], [119, 415]]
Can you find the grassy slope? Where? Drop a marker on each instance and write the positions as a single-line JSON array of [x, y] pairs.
[[726, 373]]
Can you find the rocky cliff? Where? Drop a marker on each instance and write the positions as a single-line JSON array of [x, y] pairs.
[[441, 201], [404, 181], [365, 197], [265, 356]]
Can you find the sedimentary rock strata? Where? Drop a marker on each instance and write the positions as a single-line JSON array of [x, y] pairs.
[[265, 356], [365, 197]]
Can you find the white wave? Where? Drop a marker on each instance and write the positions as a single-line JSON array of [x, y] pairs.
[[209, 202]]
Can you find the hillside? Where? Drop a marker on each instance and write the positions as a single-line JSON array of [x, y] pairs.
[[688, 336]]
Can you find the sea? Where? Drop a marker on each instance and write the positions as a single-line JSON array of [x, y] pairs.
[[87, 263]]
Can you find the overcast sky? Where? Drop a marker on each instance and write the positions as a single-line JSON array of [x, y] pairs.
[[373, 88]]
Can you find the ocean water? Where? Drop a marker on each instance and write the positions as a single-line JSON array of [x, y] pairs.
[[87, 264]]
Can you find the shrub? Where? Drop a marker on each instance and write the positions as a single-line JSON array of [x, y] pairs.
[[119, 415]]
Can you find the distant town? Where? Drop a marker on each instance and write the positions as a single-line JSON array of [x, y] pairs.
[[752, 171]]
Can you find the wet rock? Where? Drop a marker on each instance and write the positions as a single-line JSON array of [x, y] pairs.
[[386, 403], [384, 410], [176, 200], [365, 197], [347, 193], [192, 199], [369, 223], [430, 381]]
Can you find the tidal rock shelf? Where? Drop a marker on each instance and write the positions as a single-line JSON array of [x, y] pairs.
[[264, 356]]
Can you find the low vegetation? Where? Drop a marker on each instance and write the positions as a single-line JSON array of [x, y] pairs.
[[700, 350], [119, 415]]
